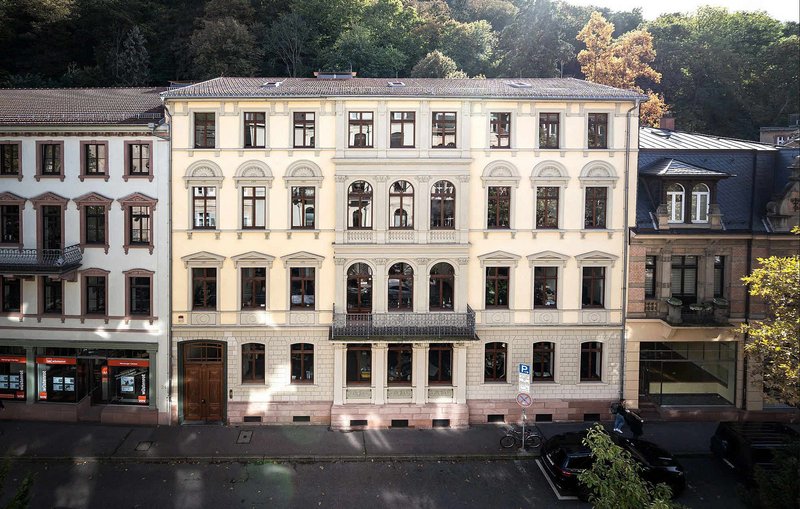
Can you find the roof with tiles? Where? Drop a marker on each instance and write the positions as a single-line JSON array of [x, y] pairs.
[[675, 168], [653, 138], [516, 88], [80, 106]]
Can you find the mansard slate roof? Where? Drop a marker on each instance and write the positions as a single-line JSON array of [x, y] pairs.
[[80, 106], [503, 88], [654, 138], [674, 168]]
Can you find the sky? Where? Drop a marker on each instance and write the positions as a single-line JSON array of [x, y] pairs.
[[783, 10]]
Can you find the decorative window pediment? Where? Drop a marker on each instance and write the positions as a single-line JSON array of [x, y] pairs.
[[203, 259], [253, 259], [49, 198], [500, 173], [598, 173], [253, 173], [549, 173], [11, 199], [203, 173], [303, 173], [597, 258], [499, 259], [547, 258], [93, 199], [303, 259], [137, 199]]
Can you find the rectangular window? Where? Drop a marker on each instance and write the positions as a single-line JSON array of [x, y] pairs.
[[500, 130], [303, 207], [51, 296], [95, 159], [443, 130], [255, 130], [205, 130], [545, 284], [138, 159], [359, 364], [50, 158], [401, 129], [598, 130], [719, 276], [547, 207], [302, 363], [304, 123], [10, 294], [95, 287], [595, 208], [543, 362], [650, 277], [591, 361], [683, 279], [254, 288], [494, 362], [12, 373], [9, 159], [140, 228], [95, 224], [440, 364], [497, 287], [253, 363], [254, 206], [204, 203], [399, 364], [594, 285], [9, 224], [204, 288], [548, 130], [498, 207], [360, 129], [139, 295], [302, 288]]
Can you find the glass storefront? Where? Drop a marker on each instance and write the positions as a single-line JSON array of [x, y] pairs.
[[688, 373], [12, 373]]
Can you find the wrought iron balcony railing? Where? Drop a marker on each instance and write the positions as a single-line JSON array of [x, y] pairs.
[[402, 326], [40, 261]]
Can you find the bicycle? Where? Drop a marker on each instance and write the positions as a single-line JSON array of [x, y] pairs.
[[513, 437]]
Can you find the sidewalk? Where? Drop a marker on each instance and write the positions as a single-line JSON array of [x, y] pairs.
[[93, 442]]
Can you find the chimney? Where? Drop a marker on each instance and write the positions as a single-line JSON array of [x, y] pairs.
[[667, 122]]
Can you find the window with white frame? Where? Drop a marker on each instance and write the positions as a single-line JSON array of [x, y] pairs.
[[700, 200], [675, 198]]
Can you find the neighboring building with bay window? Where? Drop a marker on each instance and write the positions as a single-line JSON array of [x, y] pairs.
[[707, 208], [83, 255], [377, 252]]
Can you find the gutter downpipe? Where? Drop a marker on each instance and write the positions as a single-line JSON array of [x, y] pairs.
[[626, 240], [169, 229], [745, 365]]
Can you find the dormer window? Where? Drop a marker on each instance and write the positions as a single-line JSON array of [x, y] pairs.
[[700, 200], [675, 203]]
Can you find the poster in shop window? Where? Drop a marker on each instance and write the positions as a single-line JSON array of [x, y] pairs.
[[58, 383], [126, 384], [69, 384]]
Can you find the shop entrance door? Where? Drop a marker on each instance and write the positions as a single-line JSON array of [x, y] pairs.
[[203, 387]]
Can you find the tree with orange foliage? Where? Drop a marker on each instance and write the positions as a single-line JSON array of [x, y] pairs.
[[621, 62]]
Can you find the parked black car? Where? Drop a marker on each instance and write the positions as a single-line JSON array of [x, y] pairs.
[[746, 445], [565, 456]]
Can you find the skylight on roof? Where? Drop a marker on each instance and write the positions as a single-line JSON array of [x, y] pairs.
[[272, 84], [396, 84], [518, 84]]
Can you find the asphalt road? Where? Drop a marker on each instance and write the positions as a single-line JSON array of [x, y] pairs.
[[389, 484]]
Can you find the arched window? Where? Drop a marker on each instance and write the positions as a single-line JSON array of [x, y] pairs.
[[443, 205], [401, 205], [494, 366], [675, 203], [359, 205], [359, 288], [700, 198], [442, 285], [401, 287]]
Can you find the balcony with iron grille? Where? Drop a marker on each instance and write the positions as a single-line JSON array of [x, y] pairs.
[[404, 327], [53, 262]]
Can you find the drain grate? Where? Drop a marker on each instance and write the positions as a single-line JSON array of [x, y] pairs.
[[144, 446], [244, 437]]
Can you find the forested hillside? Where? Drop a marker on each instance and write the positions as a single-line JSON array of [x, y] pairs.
[[723, 73]]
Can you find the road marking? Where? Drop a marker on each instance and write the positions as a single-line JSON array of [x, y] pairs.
[[553, 486]]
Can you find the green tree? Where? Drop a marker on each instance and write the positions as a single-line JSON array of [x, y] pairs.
[[614, 480], [359, 50], [288, 40], [773, 344], [223, 47], [436, 65], [133, 62], [470, 45]]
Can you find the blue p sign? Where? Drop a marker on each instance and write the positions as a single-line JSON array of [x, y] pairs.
[[524, 369]]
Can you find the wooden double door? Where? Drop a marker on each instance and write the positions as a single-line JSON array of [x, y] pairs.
[[203, 382]]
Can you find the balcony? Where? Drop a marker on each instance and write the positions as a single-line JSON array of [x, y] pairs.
[[24, 262], [404, 326], [704, 314]]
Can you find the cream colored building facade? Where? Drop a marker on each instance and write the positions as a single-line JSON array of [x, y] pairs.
[[363, 252]]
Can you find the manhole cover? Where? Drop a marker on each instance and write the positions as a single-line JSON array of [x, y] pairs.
[[144, 446], [244, 437]]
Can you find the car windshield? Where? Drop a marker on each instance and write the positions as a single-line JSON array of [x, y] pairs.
[[579, 462]]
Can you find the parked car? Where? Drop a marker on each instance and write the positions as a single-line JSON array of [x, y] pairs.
[[746, 445], [565, 456]]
